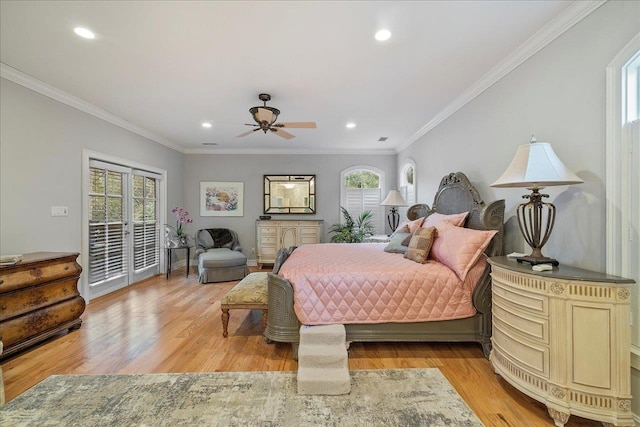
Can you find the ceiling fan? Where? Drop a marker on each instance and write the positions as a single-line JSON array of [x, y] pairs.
[[266, 117]]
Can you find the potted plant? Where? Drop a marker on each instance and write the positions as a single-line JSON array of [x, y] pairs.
[[352, 230], [179, 234]]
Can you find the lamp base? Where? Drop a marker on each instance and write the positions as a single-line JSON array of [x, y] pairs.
[[393, 219], [538, 260]]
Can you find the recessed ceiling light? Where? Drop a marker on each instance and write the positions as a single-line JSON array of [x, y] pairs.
[[351, 125], [206, 125], [83, 32], [383, 35]]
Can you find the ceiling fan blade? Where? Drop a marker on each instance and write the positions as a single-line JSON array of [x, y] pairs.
[[297, 125], [265, 115], [281, 133], [247, 133]]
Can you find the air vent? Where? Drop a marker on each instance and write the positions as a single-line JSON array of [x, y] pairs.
[[383, 138], [209, 143]]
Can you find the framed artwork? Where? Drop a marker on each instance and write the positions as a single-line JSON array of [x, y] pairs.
[[221, 198]]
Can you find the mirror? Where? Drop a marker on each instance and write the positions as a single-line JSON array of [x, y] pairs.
[[289, 194]]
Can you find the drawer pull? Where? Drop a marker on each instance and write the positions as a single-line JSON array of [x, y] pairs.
[[64, 289], [1, 281], [4, 307], [67, 267]]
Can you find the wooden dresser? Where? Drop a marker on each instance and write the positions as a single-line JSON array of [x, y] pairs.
[[273, 235], [562, 337], [39, 298]]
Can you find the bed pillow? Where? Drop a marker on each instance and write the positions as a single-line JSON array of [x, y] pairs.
[[459, 248], [409, 226], [420, 245], [438, 218], [395, 243]]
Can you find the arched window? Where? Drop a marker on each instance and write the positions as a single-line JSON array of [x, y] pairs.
[[407, 186], [361, 190]]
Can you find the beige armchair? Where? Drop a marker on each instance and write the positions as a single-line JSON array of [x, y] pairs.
[[220, 257]]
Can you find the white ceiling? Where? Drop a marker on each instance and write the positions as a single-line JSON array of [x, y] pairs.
[[161, 68]]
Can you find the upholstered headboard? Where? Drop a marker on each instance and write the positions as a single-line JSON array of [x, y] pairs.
[[456, 194]]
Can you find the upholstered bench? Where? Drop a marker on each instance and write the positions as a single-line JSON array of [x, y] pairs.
[[249, 293]]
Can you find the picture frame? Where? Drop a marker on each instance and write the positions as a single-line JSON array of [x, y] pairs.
[[221, 198]]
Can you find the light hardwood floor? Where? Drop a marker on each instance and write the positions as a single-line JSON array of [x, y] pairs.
[[173, 325]]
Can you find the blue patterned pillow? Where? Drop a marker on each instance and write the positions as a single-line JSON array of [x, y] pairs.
[[395, 245]]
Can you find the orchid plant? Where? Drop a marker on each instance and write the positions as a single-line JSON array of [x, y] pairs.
[[182, 218]]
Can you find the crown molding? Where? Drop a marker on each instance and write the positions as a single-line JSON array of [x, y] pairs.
[[297, 151], [573, 14], [43, 88]]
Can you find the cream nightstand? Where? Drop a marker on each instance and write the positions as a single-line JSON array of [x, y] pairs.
[[274, 235], [562, 337]]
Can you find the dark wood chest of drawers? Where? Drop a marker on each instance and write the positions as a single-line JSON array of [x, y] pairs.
[[39, 298]]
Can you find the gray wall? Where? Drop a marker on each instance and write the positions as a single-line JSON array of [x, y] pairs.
[[250, 170], [41, 142], [558, 95]]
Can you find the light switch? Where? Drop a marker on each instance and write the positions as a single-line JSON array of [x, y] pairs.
[[59, 210]]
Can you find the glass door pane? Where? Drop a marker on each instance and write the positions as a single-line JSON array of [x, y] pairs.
[[146, 227], [108, 254]]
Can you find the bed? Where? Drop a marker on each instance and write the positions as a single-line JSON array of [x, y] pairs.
[[455, 195]]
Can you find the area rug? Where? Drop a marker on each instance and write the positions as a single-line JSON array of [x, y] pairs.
[[394, 397]]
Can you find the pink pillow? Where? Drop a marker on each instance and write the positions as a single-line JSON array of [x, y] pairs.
[[435, 219], [459, 248], [411, 226]]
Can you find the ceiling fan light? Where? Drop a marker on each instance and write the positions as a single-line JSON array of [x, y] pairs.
[[264, 114]]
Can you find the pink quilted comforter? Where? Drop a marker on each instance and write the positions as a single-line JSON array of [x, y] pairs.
[[360, 283]]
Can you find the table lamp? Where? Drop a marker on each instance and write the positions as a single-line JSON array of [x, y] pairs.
[[536, 166], [394, 199]]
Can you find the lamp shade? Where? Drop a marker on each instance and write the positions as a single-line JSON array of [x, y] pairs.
[[394, 199], [536, 165]]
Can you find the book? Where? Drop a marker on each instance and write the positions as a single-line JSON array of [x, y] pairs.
[[9, 259]]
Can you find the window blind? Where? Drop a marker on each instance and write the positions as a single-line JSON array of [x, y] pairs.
[[107, 224], [146, 232]]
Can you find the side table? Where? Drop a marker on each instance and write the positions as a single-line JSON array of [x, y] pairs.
[[169, 253], [562, 337]]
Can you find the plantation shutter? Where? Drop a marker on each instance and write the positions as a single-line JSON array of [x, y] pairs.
[[408, 193], [107, 222], [359, 200], [146, 229]]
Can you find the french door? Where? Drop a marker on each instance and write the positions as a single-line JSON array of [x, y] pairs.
[[123, 226]]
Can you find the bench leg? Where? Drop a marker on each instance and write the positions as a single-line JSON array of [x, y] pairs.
[[225, 322], [265, 313]]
